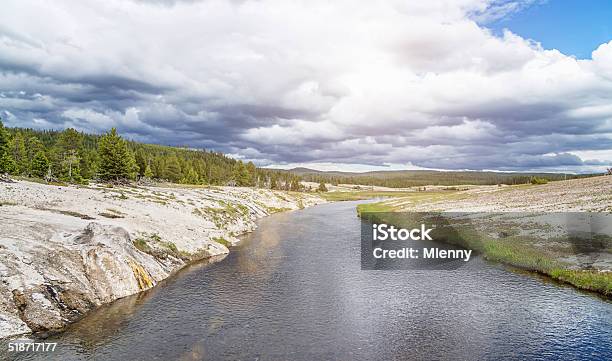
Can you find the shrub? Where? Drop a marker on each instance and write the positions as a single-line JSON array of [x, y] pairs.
[[538, 180], [322, 187]]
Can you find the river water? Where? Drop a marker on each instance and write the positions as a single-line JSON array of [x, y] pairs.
[[294, 290]]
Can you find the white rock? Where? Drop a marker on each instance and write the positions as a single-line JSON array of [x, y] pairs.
[[51, 249]]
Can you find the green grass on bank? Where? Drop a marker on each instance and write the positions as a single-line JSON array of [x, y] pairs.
[[590, 280], [375, 207], [222, 241], [530, 259]]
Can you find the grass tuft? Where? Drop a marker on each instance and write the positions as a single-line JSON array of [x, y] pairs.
[[222, 241]]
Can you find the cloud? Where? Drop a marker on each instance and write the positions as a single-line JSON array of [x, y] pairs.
[[385, 82], [499, 9]]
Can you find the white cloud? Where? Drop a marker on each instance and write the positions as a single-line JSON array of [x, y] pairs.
[[393, 82]]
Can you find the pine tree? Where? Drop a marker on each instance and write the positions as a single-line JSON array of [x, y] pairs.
[[141, 160], [148, 172], [273, 182], [241, 175], [173, 169], [116, 160], [158, 166], [33, 146], [89, 163], [191, 177], [252, 173], [295, 184], [40, 165], [19, 154], [70, 140], [322, 187], [69, 154], [4, 139], [7, 164], [70, 166]]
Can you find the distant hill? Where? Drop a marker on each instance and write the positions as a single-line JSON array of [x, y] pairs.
[[302, 170], [305, 171], [414, 178]]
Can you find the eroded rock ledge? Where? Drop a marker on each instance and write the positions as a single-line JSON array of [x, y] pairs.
[[66, 250]]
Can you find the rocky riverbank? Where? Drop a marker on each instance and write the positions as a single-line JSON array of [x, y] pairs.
[[67, 249]]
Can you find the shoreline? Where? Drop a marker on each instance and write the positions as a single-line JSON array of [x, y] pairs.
[[172, 277], [65, 250]]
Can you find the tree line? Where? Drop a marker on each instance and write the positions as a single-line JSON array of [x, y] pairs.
[[417, 178], [77, 157]]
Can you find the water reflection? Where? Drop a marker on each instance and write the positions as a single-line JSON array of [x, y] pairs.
[[101, 325]]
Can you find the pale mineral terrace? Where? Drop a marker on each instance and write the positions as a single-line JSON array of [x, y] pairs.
[[66, 249]]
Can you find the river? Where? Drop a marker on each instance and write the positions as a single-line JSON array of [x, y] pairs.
[[294, 290]]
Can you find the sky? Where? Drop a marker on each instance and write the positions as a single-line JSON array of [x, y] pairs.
[[573, 27], [506, 85]]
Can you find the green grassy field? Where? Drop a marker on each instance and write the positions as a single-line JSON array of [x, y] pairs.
[[410, 198], [362, 195], [405, 196]]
